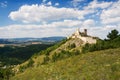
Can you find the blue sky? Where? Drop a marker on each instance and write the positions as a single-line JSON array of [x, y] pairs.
[[44, 18]]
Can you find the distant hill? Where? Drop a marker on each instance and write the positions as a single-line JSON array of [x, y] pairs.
[[5, 41], [39, 39], [52, 39], [20, 40]]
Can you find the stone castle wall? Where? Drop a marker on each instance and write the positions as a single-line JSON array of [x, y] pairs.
[[89, 40], [85, 39]]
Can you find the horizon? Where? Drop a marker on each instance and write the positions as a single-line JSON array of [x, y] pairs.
[[34, 37], [48, 18]]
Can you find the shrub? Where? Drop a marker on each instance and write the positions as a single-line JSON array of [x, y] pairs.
[[45, 60], [6, 73], [54, 57], [22, 68], [61, 55], [71, 46], [77, 52], [30, 63]]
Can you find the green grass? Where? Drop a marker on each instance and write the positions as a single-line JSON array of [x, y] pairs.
[[99, 65]]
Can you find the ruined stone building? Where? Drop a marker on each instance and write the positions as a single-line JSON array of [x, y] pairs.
[[84, 36]]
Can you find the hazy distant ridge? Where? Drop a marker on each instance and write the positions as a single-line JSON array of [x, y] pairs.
[[44, 39]]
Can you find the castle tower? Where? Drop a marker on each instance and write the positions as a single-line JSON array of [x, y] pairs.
[[85, 32]]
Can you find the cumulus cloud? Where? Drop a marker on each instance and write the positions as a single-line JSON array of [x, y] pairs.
[[44, 1], [103, 30], [42, 13], [57, 4], [112, 14], [52, 29], [88, 23], [95, 4], [61, 28], [63, 21], [76, 3], [49, 3], [46, 13]]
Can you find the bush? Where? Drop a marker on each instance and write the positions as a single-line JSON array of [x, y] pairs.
[[46, 60], [77, 52], [6, 73], [30, 63], [71, 46], [22, 68], [61, 55], [54, 57]]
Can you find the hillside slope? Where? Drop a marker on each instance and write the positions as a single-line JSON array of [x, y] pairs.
[[59, 51], [66, 46], [99, 65]]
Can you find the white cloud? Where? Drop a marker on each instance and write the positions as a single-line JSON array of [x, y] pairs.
[[112, 14], [77, 0], [88, 23], [95, 4], [44, 1], [57, 4], [49, 3], [3, 4], [52, 29], [101, 31], [97, 7], [63, 21], [76, 3], [42, 13], [62, 28]]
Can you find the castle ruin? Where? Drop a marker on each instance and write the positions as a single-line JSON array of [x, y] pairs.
[[84, 36]]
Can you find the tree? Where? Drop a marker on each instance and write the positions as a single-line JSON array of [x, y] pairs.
[[113, 34], [6, 73]]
